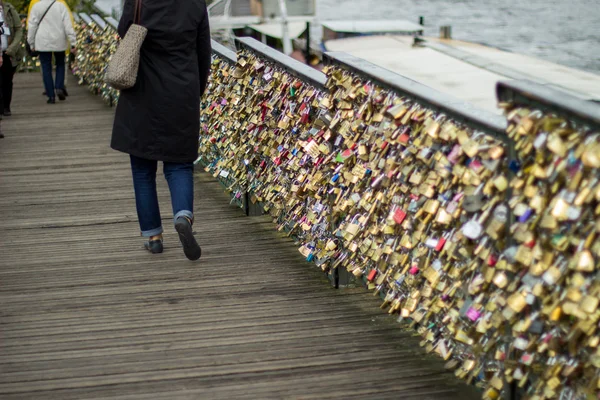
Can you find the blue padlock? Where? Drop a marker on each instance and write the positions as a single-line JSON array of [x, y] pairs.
[[514, 166]]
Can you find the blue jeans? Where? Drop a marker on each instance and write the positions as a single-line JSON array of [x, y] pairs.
[[181, 184], [46, 61]]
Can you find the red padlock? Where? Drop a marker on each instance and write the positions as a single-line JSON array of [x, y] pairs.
[[372, 275], [476, 165], [404, 138], [442, 241], [440, 244], [399, 216], [305, 117], [263, 113]]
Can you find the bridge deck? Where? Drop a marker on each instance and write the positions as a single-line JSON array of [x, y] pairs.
[[86, 313]]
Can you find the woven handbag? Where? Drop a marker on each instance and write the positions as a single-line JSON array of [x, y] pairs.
[[123, 67]]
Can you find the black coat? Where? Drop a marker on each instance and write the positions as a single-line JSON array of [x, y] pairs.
[[159, 118]]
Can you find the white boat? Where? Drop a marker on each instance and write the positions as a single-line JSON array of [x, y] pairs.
[[268, 20]]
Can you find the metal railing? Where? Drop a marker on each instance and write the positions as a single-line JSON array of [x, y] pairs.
[[290, 65], [460, 110], [544, 98], [223, 52], [441, 106]]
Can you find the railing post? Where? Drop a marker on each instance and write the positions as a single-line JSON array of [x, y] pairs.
[[246, 204], [307, 51]]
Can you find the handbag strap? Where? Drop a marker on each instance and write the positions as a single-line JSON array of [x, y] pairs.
[[46, 12], [138, 12], [41, 19]]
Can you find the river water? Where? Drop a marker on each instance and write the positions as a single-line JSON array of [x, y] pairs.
[[564, 32]]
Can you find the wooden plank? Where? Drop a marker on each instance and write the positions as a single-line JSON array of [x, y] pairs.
[[86, 313]]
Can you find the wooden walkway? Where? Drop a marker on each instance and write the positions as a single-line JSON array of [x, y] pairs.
[[86, 313]]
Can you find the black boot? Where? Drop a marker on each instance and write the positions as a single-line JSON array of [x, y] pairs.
[[192, 250], [154, 246], [61, 94], [51, 100]]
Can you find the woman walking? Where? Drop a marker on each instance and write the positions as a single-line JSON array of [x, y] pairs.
[[12, 54], [33, 3], [49, 27], [159, 118]]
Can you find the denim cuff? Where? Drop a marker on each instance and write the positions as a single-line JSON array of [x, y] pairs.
[[184, 213], [152, 232]]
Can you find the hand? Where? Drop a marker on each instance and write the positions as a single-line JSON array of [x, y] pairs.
[[74, 50]]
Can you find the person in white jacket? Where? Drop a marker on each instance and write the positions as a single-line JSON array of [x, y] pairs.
[[49, 32]]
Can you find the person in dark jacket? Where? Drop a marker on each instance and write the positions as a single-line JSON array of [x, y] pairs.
[[12, 56], [159, 118]]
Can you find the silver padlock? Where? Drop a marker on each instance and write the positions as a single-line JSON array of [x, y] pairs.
[[473, 229]]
